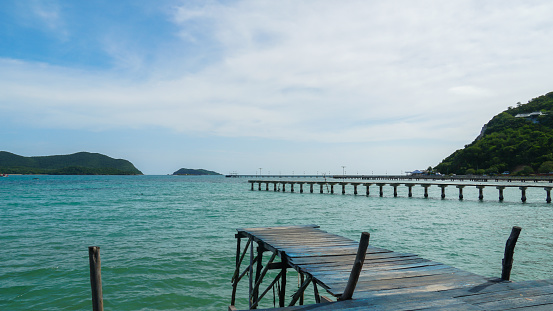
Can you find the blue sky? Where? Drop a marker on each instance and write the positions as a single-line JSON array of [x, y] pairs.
[[286, 86]]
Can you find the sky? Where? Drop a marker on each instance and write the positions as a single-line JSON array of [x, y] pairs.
[[271, 87]]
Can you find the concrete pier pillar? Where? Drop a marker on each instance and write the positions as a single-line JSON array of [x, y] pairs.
[[368, 185], [311, 188], [301, 188], [252, 186], [480, 192], [500, 188], [381, 193], [425, 190], [410, 191], [331, 188], [460, 187], [443, 190], [523, 190], [267, 186], [259, 186], [548, 198], [291, 187], [395, 189], [321, 187], [355, 189], [283, 187], [275, 185], [343, 188]]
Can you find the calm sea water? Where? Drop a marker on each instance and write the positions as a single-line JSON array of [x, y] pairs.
[[167, 242]]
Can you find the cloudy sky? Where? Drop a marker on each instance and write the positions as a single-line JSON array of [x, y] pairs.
[[286, 86]]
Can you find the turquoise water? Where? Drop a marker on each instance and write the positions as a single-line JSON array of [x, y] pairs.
[[167, 242]]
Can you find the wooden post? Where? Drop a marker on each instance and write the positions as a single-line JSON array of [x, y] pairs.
[[509, 251], [258, 276], [275, 186], [250, 272], [301, 188], [259, 186], [321, 184], [311, 188], [267, 186], [548, 198], [343, 192], [357, 266], [237, 271], [368, 185], [283, 187], [331, 188], [282, 293], [381, 186], [96, 278], [355, 189], [395, 190], [252, 185], [292, 187], [410, 194]]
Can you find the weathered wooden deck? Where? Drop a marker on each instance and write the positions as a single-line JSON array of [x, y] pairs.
[[388, 280]]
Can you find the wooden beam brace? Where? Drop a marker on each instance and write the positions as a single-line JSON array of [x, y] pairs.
[[300, 291], [262, 275], [254, 305]]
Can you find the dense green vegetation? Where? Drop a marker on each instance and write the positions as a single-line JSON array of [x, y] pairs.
[[188, 171], [522, 145], [81, 163]]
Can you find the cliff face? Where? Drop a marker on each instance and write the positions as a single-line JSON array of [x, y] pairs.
[[81, 163], [519, 138]]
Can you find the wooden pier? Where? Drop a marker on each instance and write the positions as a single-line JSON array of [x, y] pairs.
[[281, 185], [357, 276]]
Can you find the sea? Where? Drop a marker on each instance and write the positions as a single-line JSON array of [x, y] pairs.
[[168, 242]]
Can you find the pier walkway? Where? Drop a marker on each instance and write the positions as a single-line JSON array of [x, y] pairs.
[[362, 277], [280, 185]]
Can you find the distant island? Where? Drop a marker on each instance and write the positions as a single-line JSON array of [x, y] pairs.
[[80, 163], [517, 141], [189, 171]]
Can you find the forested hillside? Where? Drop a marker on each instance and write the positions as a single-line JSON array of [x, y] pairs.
[[518, 140], [81, 163]]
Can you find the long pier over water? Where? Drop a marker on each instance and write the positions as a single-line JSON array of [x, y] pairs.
[[357, 276], [282, 185]]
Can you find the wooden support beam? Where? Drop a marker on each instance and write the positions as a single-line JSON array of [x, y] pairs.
[[282, 293], [300, 291], [357, 266], [509, 251], [96, 278], [254, 305]]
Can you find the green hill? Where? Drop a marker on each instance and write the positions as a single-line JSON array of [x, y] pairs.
[[81, 163], [518, 140], [188, 171]]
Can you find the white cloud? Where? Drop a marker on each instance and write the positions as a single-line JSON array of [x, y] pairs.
[[329, 71]]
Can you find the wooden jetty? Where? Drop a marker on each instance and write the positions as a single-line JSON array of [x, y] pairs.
[[361, 277], [281, 185]]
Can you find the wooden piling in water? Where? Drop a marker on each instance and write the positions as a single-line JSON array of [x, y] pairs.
[[357, 266], [96, 278], [509, 251]]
